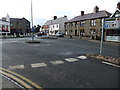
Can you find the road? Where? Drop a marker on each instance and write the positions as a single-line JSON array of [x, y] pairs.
[[55, 63]]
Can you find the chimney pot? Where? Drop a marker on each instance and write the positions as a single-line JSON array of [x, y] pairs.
[[82, 13], [118, 5], [54, 17]]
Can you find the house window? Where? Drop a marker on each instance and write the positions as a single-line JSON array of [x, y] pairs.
[[92, 22], [82, 23], [71, 24], [75, 24], [100, 22], [3, 27], [57, 25]]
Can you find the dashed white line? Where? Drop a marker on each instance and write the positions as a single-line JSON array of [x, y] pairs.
[[56, 62], [16, 67], [110, 64], [82, 57], [71, 59], [35, 65]]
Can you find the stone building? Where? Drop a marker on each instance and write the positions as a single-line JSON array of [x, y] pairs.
[[112, 26], [19, 26], [86, 25]]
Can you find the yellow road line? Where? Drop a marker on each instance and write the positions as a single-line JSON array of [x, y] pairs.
[[32, 83], [15, 78]]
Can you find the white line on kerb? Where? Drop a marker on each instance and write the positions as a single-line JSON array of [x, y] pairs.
[[35, 65], [110, 64], [56, 62], [71, 59]]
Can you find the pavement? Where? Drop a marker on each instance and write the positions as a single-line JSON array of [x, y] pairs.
[[8, 84]]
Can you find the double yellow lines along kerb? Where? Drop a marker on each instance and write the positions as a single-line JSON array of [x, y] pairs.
[[22, 81]]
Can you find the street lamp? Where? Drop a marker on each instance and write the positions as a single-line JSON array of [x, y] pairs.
[[32, 21]]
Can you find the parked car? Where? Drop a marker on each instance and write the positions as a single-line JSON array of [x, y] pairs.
[[40, 33], [60, 34]]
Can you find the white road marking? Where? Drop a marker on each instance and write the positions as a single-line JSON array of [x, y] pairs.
[[56, 62], [36, 45], [71, 59], [82, 57], [35, 65], [16, 67], [110, 64]]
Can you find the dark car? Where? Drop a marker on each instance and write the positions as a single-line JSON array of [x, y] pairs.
[[40, 33]]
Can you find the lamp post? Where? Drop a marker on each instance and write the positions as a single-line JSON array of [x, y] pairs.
[[32, 21]]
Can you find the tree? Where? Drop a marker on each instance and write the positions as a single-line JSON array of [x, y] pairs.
[[38, 28]]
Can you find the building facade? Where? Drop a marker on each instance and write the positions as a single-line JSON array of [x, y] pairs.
[[87, 25], [19, 26], [56, 25], [112, 26], [5, 25]]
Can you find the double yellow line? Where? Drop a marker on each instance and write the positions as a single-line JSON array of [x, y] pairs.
[[26, 83]]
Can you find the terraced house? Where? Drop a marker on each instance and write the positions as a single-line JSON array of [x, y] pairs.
[[87, 25]]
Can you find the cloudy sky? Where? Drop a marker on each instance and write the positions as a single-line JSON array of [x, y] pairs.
[[44, 10]]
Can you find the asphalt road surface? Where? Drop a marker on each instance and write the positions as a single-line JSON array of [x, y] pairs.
[[56, 63]]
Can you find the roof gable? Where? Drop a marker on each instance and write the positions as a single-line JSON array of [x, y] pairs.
[[113, 15]]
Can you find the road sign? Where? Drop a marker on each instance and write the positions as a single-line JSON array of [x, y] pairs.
[[106, 26], [33, 29]]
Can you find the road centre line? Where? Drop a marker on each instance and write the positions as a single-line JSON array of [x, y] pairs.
[[21, 77], [35, 65], [56, 62], [71, 59]]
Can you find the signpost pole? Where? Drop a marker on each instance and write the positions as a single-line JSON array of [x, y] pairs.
[[102, 35]]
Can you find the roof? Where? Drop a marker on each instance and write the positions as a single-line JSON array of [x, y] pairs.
[[117, 10], [17, 19], [88, 16], [56, 21]]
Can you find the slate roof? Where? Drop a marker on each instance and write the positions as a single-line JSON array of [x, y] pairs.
[[17, 19], [56, 21], [89, 16]]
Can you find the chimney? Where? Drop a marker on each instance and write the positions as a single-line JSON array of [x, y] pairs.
[[55, 17], [82, 13], [65, 16], [118, 5], [96, 9]]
